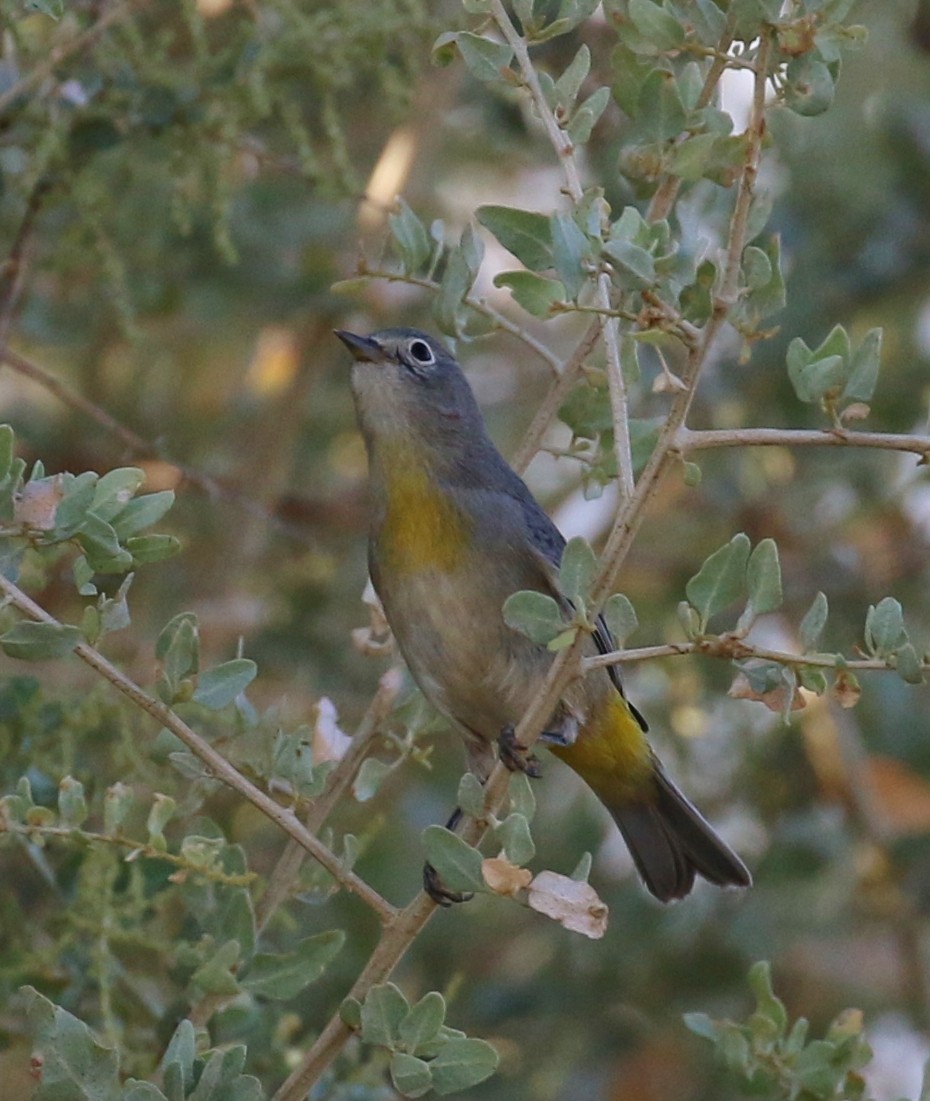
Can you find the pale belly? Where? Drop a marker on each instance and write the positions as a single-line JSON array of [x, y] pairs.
[[468, 663]]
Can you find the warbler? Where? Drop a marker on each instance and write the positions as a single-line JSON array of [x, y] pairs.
[[454, 532]]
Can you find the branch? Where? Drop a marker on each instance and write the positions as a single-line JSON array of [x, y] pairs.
[[552, 402], [731, 648], [220, 768], [688, 439]]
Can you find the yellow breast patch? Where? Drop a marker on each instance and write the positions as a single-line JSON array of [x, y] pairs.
[[422, 528]]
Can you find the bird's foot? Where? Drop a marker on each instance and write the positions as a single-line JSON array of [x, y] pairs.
[[516, 757], [439, 892]]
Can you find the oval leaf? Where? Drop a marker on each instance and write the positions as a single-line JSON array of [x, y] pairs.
[[218, 687], [28, 641]]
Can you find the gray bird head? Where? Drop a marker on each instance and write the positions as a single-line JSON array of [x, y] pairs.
[[407, 385]]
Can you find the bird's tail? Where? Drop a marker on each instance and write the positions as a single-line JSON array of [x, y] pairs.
[[671, 841], [668, 838]]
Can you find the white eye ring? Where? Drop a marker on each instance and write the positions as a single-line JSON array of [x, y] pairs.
[[421, 352]]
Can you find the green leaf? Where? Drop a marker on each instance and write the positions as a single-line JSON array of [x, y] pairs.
[[368, 778], [214, 976], [908, 664], [720, 580], [513, 835], [620, 617], [27, 641], [536, 294], [99, 542], [115, 489], [411, 237], [461, 1064], [142, 512], [863, 368], [79, 496], [577, 569], [454, 286], [533, 614], [220, 686], [522, 799], [162, 809], [810, 86], [152, 548], [76, 1066], [767, 1004], [657, 25], [701, 1025], [812, 378], [660, 113], [72, 806], [567, 87], [117, 803], [411, 1076], [178, 650], [484, 57], [423, 1022], [383, 1010], [634, 267], [813, 623], [763, 578], [471, 794], [114, 611], [570, 250], [884, 628], [284, 976], [523, 232], [458, 864], [587, 116]]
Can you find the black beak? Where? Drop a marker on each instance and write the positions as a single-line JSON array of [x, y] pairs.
[[362, 347]]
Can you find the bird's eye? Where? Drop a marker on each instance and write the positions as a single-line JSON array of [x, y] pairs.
[[422, 352]]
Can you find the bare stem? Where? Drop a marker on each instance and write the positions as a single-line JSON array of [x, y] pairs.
[[690, 440], [558, 392], [217, 764], [730, 648]]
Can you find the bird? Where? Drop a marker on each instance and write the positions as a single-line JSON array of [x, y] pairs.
[[454, 531]]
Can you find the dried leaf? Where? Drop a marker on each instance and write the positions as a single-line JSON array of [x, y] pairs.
[[505, 878], [571, 903], [37, 504], [846, 689], [775, 699]]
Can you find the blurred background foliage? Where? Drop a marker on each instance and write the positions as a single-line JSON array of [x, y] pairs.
[[178, 195]]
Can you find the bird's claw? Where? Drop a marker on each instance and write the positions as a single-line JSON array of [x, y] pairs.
[[439, 892], [516, 757]]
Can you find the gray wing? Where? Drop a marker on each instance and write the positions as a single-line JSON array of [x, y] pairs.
[[549, 541]]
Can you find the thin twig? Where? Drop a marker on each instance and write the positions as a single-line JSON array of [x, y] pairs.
[[553, 401], [688, 439], [216, 763], [730, 649]]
